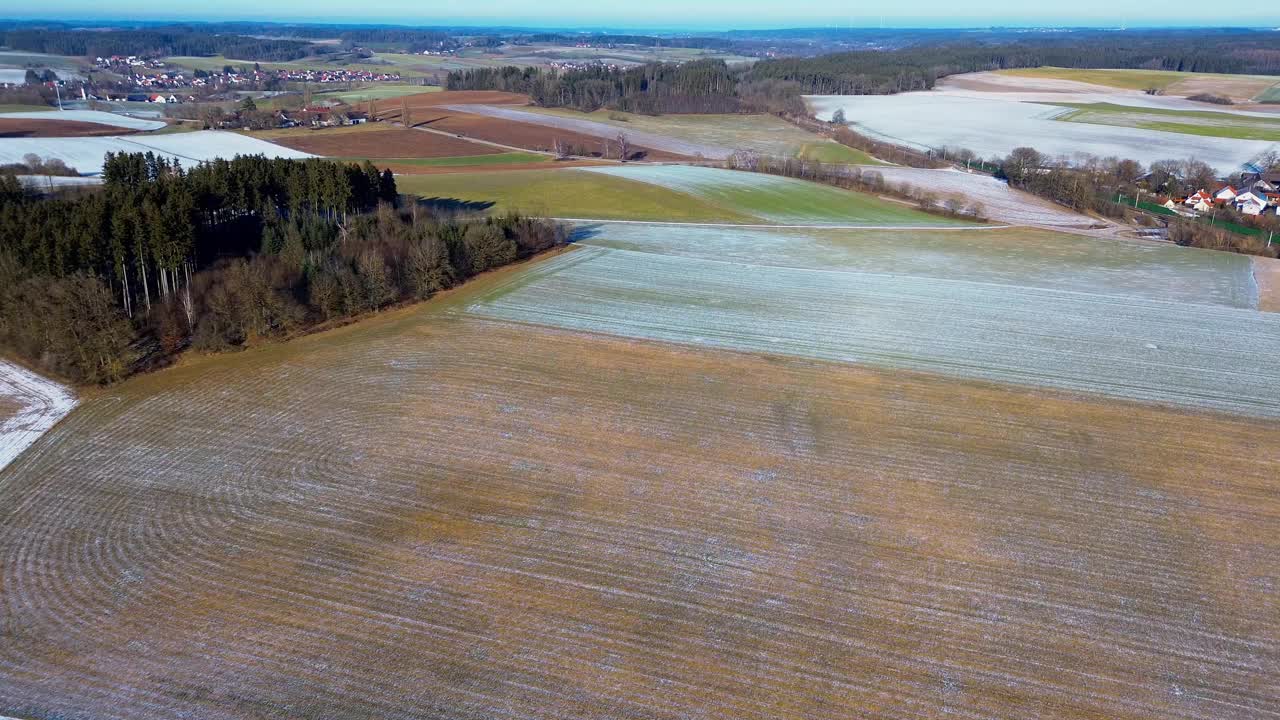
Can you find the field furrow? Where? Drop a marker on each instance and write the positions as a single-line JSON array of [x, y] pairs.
[[433, 515]]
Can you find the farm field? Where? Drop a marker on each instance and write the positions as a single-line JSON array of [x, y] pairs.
[[565, 193], [835, 153], [764, 134], [1021, 257], [96, 117], [675, 193], [992, 126], [435, 513], [602, 131], [1205, 123], [1116, 344], [86, 154], [495, 159], [776, 199], [380, 91], [374, 140], [1237, 87], [29, 406]]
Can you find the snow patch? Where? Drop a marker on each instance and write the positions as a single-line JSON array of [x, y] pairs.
[[41, 404]]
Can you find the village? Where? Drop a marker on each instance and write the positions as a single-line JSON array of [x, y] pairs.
[[1258, 193], [171, 77]]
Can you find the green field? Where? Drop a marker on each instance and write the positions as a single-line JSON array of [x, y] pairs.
[[668, 193], [775, 199], [380, 91], [506, 158], [569, 193], [1206, 123], [835, 153], [15, 108], [1124, 79]]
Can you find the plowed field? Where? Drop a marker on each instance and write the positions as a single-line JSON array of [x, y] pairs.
[[383, 141], [448, 517]]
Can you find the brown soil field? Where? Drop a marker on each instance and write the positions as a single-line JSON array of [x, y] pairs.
[[408, 169], [1266, 271], [38, 128], [434, 515], [384, 141], [426, 111], [392, 106], [1240, 89], [516, 134]]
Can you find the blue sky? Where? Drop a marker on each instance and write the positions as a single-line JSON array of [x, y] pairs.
[[673, 14]]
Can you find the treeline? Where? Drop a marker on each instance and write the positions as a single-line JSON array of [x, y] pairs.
[[176, 41], [97, 285], [874, 72], [413, 40], [597, 39], [702, 86], [776, 85]]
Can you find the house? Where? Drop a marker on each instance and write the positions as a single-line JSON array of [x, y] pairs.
[[1225, 194], [1166, 202], [1251, 203], [1198, 198], [1202, 205]]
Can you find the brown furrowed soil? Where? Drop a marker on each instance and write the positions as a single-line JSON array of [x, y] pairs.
[[517, 134], [41, 128], [433, 515], [384, 141], [409, 169], [426, 110]]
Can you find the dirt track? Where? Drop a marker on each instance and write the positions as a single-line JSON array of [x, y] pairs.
[[1266, 271]]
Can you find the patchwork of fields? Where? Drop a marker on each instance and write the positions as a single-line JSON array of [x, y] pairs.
[[752, 448], [442, 513], [993, 126]]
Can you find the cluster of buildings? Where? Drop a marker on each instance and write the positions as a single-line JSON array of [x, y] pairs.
[[170, 78], [1258, 193]]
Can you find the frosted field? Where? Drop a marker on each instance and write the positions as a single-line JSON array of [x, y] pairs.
[[86, 154], [92, 116], [1199, 356], [440, 513], [1015, 256], [993, 127], [29, 406], [777, 199]]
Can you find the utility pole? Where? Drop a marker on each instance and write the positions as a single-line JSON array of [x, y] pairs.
[[58, 91]]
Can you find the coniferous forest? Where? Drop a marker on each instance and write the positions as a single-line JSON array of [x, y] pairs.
[[98, 285]]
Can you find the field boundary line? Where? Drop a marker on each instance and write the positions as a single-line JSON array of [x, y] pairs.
[[761, 226]]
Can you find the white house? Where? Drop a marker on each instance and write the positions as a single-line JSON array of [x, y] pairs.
[[1251, 203], [1226, 194], [1198, 198]]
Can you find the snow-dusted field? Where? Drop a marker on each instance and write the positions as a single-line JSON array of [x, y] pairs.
[[29, 406], [38, 182], [86, 154], [90, 116], [1120, 345], [991, 125]]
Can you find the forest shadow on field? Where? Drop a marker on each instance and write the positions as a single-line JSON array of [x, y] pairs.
[[454, 206], [584, 231]]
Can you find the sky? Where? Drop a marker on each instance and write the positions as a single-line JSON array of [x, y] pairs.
[[667, 14]]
